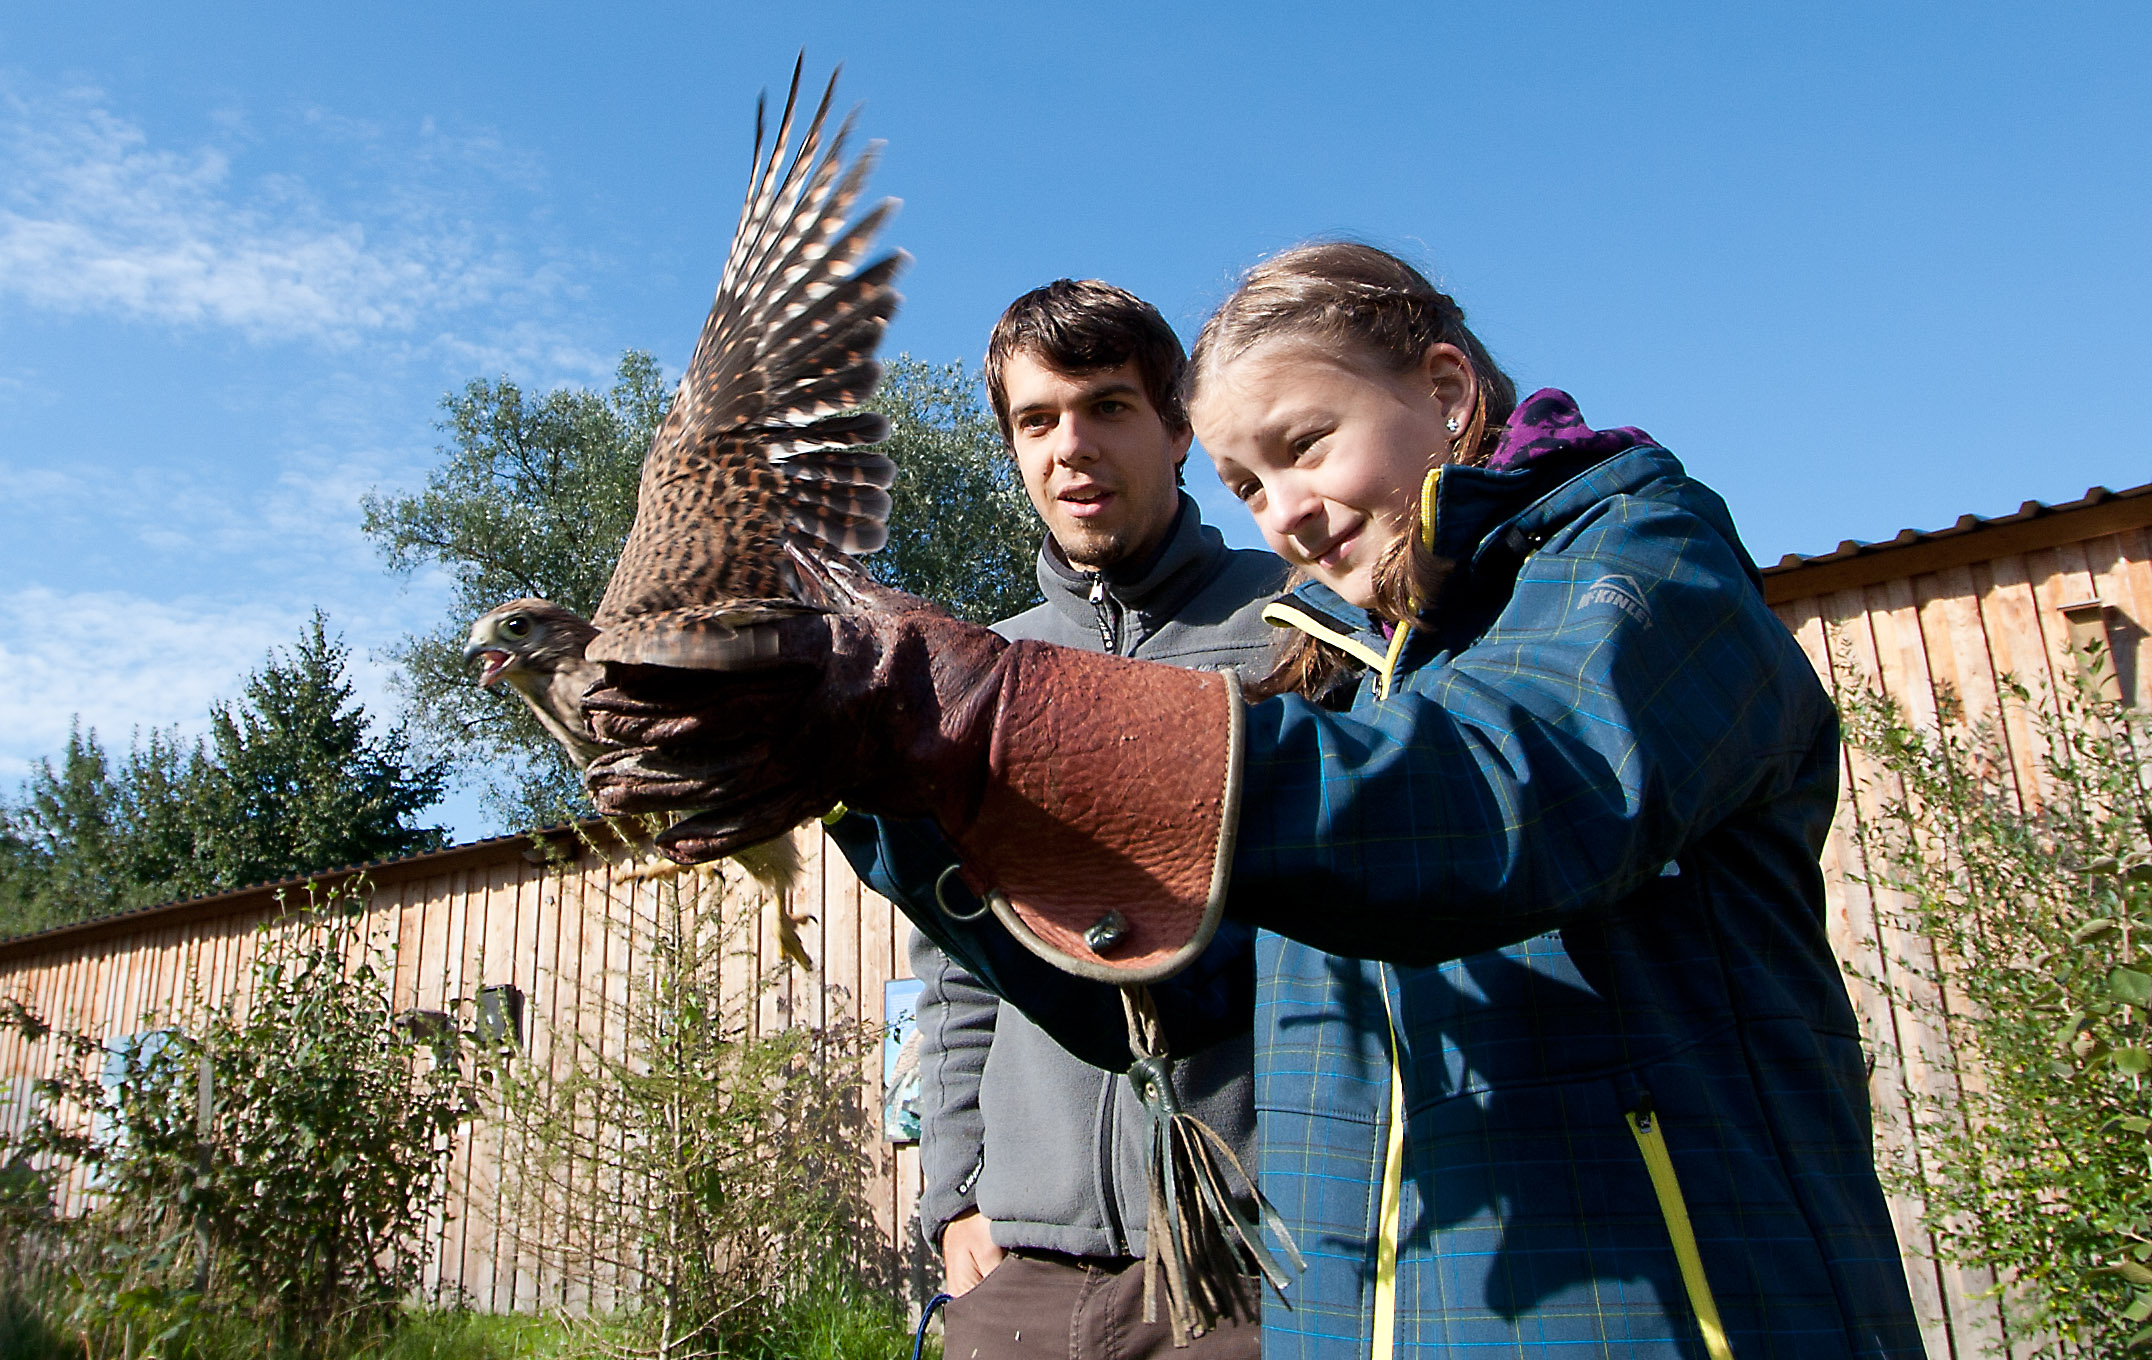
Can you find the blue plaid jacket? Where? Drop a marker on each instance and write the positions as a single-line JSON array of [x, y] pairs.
[[1540, 905]]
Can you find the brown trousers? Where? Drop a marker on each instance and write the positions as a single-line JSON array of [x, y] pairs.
[[1046, 1306]]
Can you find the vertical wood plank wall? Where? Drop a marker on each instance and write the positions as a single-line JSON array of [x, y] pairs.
[[1911, 621], [566, 934], [1931, 619]]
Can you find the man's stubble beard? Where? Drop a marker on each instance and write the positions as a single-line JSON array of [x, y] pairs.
[[1093, 549]]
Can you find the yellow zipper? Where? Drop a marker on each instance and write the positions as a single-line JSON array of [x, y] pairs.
[[1393, 1185], [1389, 662], [1652, 1143], [1428, 490]]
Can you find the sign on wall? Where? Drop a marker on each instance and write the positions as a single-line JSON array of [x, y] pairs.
[[900, 1060]]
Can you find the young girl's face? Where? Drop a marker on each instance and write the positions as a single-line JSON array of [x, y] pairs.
[[1328, 450]]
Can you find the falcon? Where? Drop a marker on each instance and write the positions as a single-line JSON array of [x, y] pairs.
[[536, 648], [763, 462]]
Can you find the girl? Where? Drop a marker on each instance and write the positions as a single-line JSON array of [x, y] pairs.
[[1552, 1056], [1568, 1010]]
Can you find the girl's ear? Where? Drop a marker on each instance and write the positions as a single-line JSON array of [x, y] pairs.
[[1447, 374]]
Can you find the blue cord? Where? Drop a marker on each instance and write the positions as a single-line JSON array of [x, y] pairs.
[[919, 1338]]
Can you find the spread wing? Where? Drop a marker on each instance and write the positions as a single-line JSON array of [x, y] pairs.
[[764, 446]]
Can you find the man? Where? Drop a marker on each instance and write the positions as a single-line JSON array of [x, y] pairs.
[[1034, 1159]]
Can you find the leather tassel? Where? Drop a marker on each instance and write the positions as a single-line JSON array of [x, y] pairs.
[[1205, 1218]]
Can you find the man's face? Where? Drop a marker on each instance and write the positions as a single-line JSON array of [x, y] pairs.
[[1096, 456]]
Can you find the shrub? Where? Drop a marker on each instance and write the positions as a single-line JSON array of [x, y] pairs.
[[273, 1163], [717, 1173], [2041, 921]]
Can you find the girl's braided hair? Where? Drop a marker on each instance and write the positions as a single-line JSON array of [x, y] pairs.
[[1368, 307]]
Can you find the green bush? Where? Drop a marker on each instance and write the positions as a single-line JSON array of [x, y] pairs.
[[2041, 976], [28, 1333], [269, 1167], [719, 1172]]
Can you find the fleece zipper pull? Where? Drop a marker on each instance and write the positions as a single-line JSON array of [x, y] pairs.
[[1109, 632]]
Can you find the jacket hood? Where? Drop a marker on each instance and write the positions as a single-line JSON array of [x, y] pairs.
[[1157, 585]]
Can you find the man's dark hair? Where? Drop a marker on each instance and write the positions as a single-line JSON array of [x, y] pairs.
[[1082, 326]]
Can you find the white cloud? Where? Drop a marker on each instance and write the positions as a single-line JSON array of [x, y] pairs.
[[96, 218], [124, 663], [121, 663]]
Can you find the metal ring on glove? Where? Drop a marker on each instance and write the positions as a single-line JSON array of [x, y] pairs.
[[943, 902]]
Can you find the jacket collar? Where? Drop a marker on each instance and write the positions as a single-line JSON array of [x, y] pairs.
[[1545, 446], [1157, 585], [1548, 469]]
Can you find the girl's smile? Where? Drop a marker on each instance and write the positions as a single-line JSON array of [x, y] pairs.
[[1328, 454]]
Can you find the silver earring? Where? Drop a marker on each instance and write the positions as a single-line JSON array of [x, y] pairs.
[[1450, 425]]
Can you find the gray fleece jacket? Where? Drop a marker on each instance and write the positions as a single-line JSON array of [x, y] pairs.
[[1042, 1143]]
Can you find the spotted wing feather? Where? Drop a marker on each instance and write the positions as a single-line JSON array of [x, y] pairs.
[[763, 445]]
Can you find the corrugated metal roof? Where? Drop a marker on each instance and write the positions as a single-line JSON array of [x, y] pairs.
[[233, 900], [1913, 551]]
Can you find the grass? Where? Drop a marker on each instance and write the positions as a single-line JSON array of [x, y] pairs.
[[25, 1334], [824, 1324], [835, 1324], [447, 1334]]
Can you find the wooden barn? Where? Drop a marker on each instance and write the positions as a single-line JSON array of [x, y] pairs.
[[1955, 611], [553, 932], [1957, 608]]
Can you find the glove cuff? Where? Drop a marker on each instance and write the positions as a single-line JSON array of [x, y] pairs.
[[1104, 838]]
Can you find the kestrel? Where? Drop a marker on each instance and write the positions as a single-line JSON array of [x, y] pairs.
[[764, 456]]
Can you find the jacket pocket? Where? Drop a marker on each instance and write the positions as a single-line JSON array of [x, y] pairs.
[[1644, 1124]]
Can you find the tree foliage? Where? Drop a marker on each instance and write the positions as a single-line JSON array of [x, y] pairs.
[[535, 494], [291, 779], [961, 528], [294, 780], [97, 835], [2041, 923], [533, 497]]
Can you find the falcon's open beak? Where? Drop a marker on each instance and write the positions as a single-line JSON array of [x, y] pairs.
[[496, 660]]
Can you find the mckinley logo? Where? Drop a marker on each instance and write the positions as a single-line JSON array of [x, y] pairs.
[[1622, 593]]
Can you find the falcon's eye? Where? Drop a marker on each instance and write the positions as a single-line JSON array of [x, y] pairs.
[[515, 625]]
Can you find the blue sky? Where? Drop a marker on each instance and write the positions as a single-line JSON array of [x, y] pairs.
[[1864, 267]]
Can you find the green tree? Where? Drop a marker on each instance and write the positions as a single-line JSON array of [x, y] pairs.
[[296, 779], [67, 827], [961, 528], [291, 779], [94, 836], [535, 495], [2040, 922]]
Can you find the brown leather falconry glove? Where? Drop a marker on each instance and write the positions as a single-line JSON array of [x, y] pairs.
[[1092, 798]]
